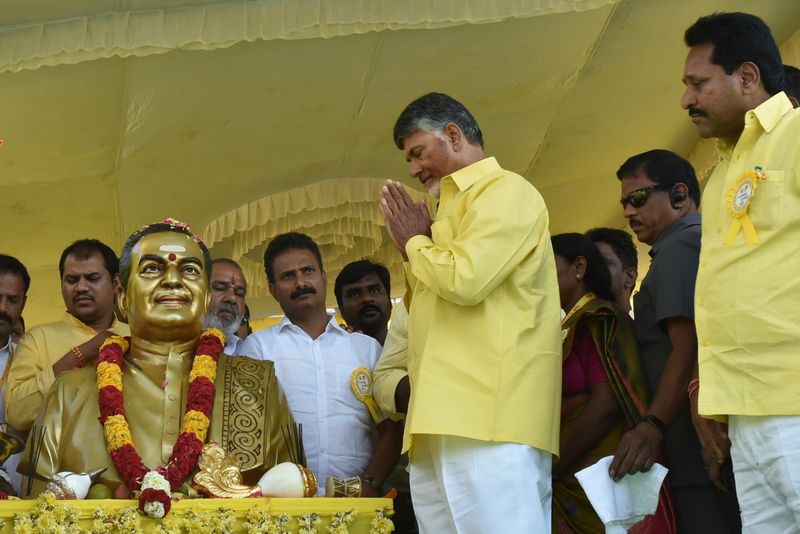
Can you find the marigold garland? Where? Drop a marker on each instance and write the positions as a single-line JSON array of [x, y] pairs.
[[156, 484]]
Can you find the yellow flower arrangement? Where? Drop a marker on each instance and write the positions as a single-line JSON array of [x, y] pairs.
[[204, 366], [108, 374], [197, 423], [381, 524], [117, 432], [116, 340], [49, 515]]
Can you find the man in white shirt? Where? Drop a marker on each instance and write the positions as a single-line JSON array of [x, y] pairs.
[[14, 284], [315, 359], [227, 293]]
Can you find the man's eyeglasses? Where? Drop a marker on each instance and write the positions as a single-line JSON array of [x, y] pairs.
[[638, 198]]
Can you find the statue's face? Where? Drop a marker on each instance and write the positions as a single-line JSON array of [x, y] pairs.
[[167, 289]]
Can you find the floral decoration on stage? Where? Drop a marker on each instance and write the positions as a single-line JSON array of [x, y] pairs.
[[51, 515], [157, 484]]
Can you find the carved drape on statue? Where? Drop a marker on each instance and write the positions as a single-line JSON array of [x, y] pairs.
[[249, 411]]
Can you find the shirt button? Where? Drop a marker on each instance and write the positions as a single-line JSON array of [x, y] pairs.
[[170, 431], [171, 396], [700, 302], [706, 344]]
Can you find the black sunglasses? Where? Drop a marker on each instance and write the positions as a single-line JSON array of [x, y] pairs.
[[638, 198]]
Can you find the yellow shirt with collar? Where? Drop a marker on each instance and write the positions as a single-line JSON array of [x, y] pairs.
[[392, 366], [484, 323], [31, 374], [746, 296]]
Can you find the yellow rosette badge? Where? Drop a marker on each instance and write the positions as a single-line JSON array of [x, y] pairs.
[[361, 382], [740, 196]]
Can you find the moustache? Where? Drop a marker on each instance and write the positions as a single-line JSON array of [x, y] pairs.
[[369, 308], [6, 317], [228, 307], [697, 112], [297, 293]]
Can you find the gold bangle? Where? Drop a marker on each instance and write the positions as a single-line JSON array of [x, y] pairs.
[[78, 354]]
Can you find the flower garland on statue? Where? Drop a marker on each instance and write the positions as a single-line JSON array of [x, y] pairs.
[[156, 484]]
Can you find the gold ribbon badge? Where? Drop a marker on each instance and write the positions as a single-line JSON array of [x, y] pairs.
[[361, 382], [740, 195]]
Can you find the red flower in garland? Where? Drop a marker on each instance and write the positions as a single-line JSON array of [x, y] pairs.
[[155, 484], [150, 497], [204, 397]]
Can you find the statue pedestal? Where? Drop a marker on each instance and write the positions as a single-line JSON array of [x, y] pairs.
[[365, 509]]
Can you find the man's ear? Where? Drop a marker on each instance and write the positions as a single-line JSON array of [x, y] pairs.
[[454, 136], [122, 302], [750, 77], [272, 290], [629, 279], [24, 300]]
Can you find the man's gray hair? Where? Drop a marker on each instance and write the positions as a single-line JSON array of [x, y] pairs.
[[432, 113]]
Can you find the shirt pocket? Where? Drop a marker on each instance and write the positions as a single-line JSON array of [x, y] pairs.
[[766, 208], [298, 381]]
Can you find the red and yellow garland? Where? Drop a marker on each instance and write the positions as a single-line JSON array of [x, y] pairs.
[[156, 484]]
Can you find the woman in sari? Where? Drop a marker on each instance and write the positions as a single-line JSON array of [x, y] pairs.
[[603, 385]]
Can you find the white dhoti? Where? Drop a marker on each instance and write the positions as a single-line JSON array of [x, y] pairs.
[[766, 464], [462, 485]]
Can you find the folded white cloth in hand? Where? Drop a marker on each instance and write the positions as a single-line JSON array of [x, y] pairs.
[[620, 505]]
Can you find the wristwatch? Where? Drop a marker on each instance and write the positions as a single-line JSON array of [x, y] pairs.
[[371, 481]]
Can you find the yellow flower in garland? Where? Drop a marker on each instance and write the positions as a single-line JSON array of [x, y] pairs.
[[117, 432], [108, 374], [197, 423], [204, 366], [120, 341], [155, 485], [217, 333]]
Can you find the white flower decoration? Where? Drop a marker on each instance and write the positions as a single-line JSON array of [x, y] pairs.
[[153, 479], [154, 509]]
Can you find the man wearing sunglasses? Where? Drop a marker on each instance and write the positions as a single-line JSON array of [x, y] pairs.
[[660, 195]]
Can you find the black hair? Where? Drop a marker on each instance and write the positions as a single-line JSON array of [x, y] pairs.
[[178, 228], [82, 249], [355, 271], [431, 113], [620, 242], [597, 277], [792, 75], [739, 38], [10, 264], [665, 168], [284, 242]]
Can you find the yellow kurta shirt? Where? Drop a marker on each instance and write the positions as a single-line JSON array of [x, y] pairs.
[[31, 376], [746, 297], [393, 364], [484, 319]]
